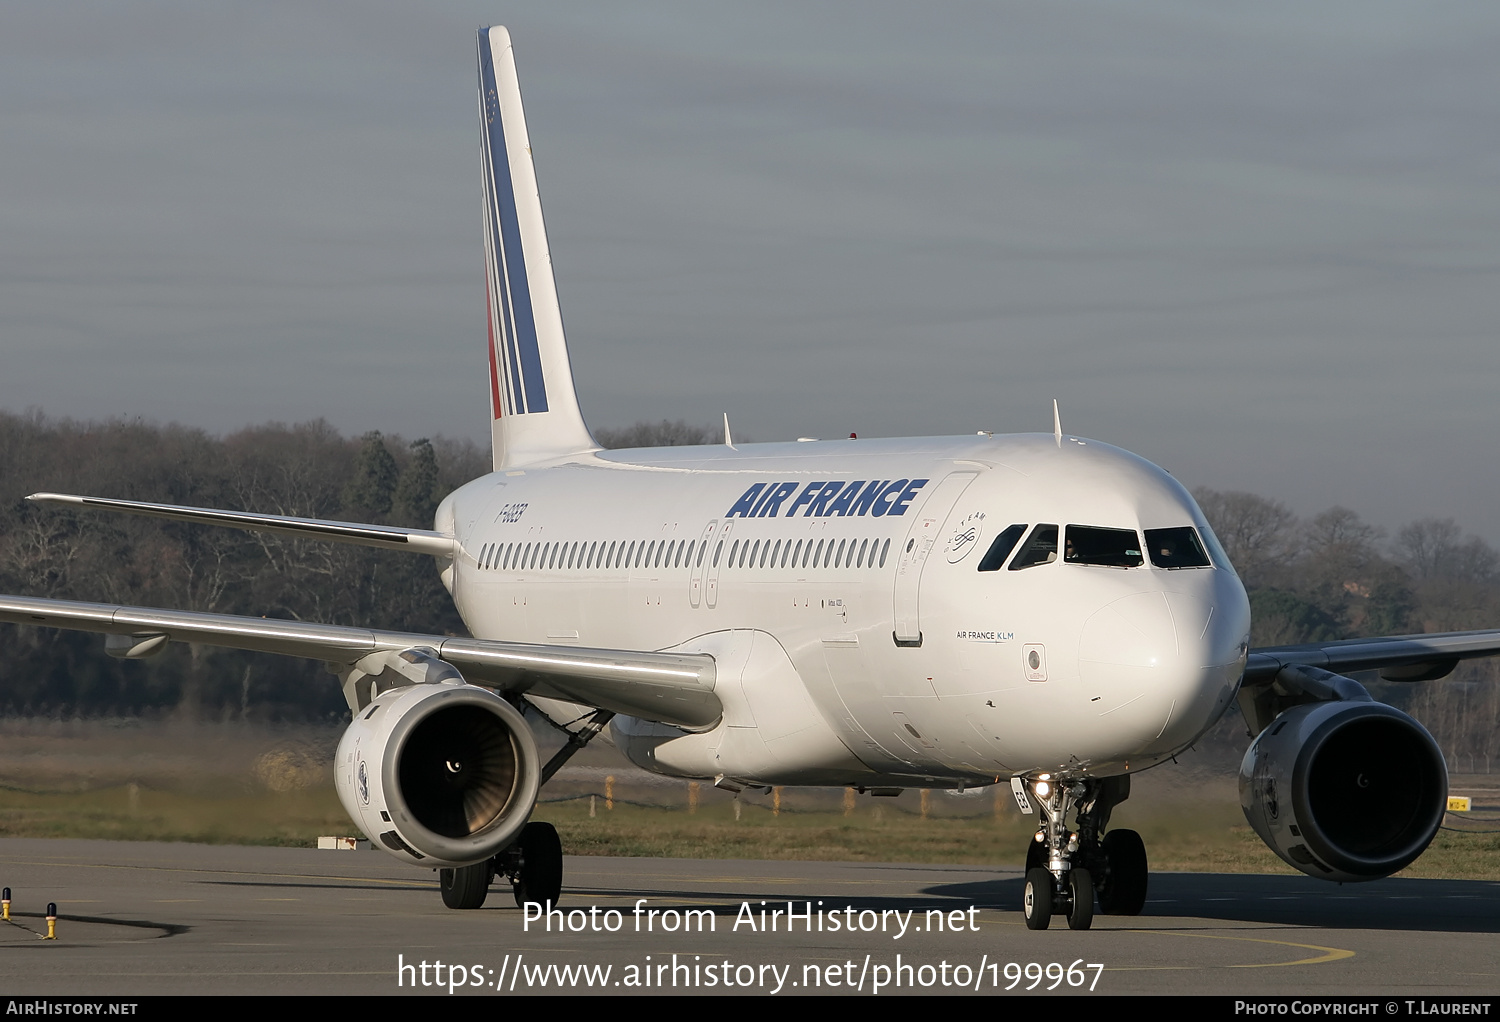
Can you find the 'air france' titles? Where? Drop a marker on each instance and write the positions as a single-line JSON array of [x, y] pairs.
[[877, 498]]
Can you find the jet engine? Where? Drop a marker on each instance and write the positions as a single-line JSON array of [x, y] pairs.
[[441, 774], [1345, 791]]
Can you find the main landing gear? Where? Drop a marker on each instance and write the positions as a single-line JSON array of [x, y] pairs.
[[533, 865], [1066, 870], [533, 861]]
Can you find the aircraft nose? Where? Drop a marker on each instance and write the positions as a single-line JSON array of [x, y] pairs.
[[1153, 666]]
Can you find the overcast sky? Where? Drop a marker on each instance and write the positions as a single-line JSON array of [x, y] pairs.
[[1257, 244]]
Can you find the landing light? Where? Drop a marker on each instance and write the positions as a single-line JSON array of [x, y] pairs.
[[1043, 789]]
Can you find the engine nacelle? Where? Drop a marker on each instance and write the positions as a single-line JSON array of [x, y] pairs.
[[438, 774], [1345, 791]]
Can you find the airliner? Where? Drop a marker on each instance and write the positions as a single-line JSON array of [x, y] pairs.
[[1044, 611]]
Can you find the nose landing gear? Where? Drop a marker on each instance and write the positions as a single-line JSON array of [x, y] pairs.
[[1065, 869]]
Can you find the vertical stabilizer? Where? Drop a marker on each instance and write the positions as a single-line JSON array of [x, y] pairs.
[[533, 406]]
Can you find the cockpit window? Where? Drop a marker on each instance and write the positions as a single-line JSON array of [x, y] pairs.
[[1176, 548], [1002, 546], [1040, 548], [1216, 549], [1109, 548]]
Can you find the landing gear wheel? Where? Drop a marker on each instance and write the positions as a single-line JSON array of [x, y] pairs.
[[465, 886], [1081, 900], [540, 878], [1124, 894], [1038, 899]]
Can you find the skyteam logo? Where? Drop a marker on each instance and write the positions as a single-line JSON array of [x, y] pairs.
[[516, 383], [878, 498]]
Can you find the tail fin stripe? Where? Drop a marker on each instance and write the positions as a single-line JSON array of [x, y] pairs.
[[495, 284], [496, 408], [529, 385]]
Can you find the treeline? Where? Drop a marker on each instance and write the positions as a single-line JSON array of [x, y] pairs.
[[307, 469], [1335, 576], [1327, 577]]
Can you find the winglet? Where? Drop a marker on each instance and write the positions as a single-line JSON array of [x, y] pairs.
[[728, 440], [1056, 423]]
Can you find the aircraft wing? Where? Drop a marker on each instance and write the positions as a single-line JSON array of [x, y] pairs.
[[674, 688], [1396, 657], [386, 537]]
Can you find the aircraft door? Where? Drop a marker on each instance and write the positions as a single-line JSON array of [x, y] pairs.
[[699, 564], [716, 553], [918, 543]]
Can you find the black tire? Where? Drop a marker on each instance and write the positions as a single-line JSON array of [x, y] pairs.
[[541, 865], [1037, 901], [1081, 899], [1036, 855], [1124, 893], [466, 886]]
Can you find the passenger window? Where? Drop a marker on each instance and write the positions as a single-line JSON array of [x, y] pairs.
[[774, 554], [719, 549], [1107, 548], [838, 561], [1040, 548], [1176, 548], [859, 562], [796, 554], [885, 548], [733, 549]]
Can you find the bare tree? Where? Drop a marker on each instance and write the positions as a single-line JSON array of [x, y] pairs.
[[1259, 535], [659, 434]]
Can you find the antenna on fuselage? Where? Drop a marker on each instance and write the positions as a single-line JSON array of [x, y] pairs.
[[728, 440], [1056, 423]]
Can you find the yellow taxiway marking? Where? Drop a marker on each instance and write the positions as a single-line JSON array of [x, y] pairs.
[[1330, 954]]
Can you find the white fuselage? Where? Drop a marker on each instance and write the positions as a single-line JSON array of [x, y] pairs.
[[857, 642]]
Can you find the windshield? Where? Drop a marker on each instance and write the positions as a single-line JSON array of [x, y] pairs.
[[1176, 548], [1109, 548], [1040, 548]]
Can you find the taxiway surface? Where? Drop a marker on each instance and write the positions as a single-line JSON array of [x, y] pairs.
[[146, 918]]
